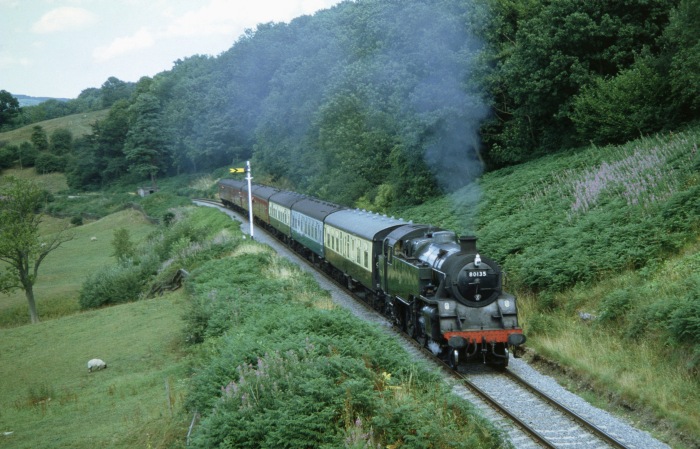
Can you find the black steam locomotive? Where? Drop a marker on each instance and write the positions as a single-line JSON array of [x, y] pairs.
[[435, 287]]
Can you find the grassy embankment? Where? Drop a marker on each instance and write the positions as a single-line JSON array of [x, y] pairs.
[[613, 232]]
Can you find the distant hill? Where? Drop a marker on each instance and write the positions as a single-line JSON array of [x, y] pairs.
[[26, 100]]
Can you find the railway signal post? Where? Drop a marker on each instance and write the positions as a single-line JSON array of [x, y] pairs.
[[249, 178], [250, 194]]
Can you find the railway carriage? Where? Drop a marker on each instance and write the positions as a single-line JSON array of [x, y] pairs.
[[353, 240], [261, 198], [234, 193], [281, 212], [308, 215]]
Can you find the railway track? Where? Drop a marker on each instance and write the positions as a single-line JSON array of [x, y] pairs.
[[548, 422], [535, 419]]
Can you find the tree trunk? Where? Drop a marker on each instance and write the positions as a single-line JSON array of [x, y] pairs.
[[29, 292]]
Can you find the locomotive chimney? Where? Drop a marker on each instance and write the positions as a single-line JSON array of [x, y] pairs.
[[468, 244]]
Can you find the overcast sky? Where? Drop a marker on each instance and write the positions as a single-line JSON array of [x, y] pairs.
[[57, 48]]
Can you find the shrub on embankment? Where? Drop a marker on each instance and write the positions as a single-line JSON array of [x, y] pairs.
[[279, 366], [192, 236], [584, 215]]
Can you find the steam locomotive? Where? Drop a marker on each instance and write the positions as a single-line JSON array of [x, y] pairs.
[[434, 286]]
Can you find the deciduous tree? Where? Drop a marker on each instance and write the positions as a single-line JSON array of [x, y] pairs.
[[22, 248], [9, 107], [40, 140], [144, 147]]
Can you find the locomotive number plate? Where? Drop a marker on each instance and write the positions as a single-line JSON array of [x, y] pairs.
[[477, 274]]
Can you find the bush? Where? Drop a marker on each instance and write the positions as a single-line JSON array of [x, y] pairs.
[[275, 372], [157, 204], [615, 305], [49, 163], [684, 321], [8, 156], [682, 212], [179, 235], [112, 285], [27, 154], [619, 109], [124, 249]]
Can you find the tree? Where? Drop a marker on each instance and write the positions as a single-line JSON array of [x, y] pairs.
[[61, 141], [9, 107], [124, 249], [144, 147], [39, 138], [113, 90], [682, 47], [22, 248], [26, 154], [559, 49]]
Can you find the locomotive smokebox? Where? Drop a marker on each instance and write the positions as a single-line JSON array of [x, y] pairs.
[[468, 244]]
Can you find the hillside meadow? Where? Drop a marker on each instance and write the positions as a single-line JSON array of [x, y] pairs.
[[77, 124], [47, 394], [48, 398], [63, 271], [173, 354], [606, 231]]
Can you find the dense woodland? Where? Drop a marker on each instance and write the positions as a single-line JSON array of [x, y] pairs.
[[389, 103]]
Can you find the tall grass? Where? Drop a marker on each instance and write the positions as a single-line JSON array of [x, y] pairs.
[[641, 375], [632, 353], [645, 172]]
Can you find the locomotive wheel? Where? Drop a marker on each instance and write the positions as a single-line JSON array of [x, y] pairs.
[[410, 324], [453, 359]]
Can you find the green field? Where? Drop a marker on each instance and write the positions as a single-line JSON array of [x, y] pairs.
[[48, 398], [64, 270]]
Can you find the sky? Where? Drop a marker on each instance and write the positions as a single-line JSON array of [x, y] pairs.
[[58, 48]]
